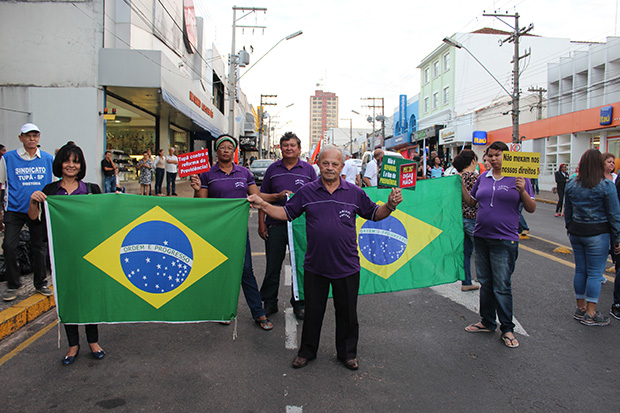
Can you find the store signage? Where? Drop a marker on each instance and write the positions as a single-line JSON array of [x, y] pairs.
[[447, 135], [479, 137], [190, 34], [194, 163], [398, 173], [606, 115], [196, 100], [515, 147], [248, 143], [525, 164], [403, 112]]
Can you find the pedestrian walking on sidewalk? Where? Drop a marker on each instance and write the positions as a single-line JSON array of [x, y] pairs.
[[592, 216], [70, 166]]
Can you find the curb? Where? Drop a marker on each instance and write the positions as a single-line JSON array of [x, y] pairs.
[[546, 201], [23, 312]]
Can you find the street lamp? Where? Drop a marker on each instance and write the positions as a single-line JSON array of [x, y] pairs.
[[289, 37], [269, 128], [514, 97]]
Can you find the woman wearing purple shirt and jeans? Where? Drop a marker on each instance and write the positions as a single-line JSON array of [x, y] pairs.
[[227, 180], [496, 241], [70, 165]]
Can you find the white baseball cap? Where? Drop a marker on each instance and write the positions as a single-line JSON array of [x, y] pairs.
[[29, 127]]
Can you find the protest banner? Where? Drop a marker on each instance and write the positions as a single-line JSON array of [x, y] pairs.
[[398, 173], [525, 164], [194, 163]]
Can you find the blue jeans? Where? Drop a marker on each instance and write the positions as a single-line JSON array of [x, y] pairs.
[[495, 263], [468, 247], [249, 285], [110, 184], [159, 179], [590, 259]]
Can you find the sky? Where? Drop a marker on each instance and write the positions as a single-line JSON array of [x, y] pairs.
[[369, 48]]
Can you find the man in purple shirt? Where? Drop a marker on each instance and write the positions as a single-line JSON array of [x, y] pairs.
[[283, 177], [331, 205]]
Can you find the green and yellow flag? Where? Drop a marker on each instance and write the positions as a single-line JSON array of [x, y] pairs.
[[419, 245], [128, 258]]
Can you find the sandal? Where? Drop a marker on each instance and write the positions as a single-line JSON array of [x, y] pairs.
[[478, 328], [510, 342], [264, 323]]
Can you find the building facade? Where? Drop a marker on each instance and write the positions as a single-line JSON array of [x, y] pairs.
[[323, 115], [458, 96], [405, 125], [124, 76]]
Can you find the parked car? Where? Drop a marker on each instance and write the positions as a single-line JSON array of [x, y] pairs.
[[258, 168]]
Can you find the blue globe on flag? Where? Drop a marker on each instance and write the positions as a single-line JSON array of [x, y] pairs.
[[156, 257], [383, 242]]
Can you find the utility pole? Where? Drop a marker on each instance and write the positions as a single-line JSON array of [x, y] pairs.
[[350, 134], [233, 62], [539, 91], [374, 106], [514, 38], [261, 116]]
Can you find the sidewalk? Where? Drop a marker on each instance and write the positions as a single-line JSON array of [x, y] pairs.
[[29, 304]]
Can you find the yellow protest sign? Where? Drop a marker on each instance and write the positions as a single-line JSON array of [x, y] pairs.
[[525, 164]]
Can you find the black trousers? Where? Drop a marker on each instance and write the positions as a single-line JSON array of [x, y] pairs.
[[316, 290], [13, 224], [92, 334], [275, 252], [560, 204]]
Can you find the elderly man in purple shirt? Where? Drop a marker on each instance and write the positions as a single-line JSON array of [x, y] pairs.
[[283, 177], [331, 205]]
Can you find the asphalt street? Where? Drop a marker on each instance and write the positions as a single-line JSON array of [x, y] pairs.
[[414, 354]]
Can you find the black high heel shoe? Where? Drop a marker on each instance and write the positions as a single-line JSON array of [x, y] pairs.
[[70, 359]]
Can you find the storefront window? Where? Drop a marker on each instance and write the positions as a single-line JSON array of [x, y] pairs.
[[128, 136], [180, 141], [613, 146]]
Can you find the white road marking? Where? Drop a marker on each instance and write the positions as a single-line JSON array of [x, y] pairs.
[[290, 329], [288, 280], [469, 300], [294, 409]]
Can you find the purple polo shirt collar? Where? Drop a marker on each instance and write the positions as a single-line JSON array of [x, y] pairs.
[[331, 226], [81, 189], [223, 185]]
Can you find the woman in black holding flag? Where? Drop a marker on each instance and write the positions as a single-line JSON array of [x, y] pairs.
[[70, 166]]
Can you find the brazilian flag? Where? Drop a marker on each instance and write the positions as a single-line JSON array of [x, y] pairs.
[[128, 258], [419, 245]]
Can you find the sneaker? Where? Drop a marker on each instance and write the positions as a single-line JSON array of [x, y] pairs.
[[596, 320], [45, 291], [10, 294], [615, 311], [579, 314]]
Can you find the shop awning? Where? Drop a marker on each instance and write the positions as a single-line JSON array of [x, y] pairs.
[[190, 113]]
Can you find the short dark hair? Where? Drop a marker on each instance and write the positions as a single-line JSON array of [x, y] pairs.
[[288, 136], [591, 169], [464, 159], [107, 152], [64, 154], [498, 146]]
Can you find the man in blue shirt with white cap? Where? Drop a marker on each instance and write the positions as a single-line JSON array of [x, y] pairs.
[[24, 171]]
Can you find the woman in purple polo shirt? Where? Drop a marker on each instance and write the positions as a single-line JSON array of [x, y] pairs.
[[70, 166], [227, 180], [496, 241]]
